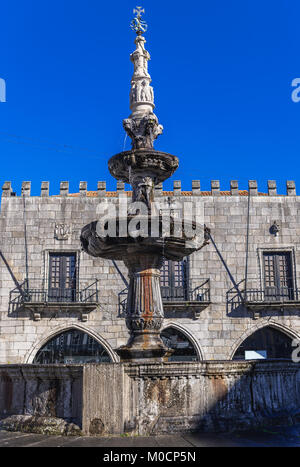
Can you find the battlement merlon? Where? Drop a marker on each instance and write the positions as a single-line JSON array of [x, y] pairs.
[[101, 191]]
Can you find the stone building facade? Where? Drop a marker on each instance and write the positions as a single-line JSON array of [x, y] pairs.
[[216, 306]]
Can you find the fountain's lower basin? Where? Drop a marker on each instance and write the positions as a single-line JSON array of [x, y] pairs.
[[143, 256]]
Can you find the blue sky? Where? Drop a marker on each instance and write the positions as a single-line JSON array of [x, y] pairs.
[[221, 73]]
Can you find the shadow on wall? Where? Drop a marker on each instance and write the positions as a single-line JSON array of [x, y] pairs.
[[41, 399], [218, 397]]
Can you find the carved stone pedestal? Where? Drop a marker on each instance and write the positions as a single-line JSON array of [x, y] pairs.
[[144, 313]]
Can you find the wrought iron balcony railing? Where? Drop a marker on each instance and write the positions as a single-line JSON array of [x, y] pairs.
[[187, 297], [186, 293], [272, 297], [33, 295], [259, 299]]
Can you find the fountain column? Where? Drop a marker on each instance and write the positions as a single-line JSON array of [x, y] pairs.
[[144, 310], [144, 313]]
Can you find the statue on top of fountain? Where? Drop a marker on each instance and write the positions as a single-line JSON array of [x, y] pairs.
[[140, 59], [142, 125]]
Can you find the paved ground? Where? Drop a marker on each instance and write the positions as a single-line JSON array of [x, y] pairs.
[[279, 436]]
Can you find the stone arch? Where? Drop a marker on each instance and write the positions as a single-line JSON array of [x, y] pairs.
[[188, 335], [29, 357], [263, 324]]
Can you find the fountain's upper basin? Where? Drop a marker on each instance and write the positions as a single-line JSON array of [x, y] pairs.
[[159, 165], [167, 244]]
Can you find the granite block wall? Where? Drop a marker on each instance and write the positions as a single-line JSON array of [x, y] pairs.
[[219, 328]]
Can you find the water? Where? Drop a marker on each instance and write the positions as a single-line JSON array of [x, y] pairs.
[[125, 139]]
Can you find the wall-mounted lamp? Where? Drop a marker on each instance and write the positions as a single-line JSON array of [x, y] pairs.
[[274, 229]]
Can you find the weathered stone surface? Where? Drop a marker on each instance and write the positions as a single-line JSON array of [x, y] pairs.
[[159, 398], [156, 164], [216, 396], [42, 425], [41, 390]]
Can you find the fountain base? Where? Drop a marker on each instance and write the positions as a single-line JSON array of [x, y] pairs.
[[144, 348]]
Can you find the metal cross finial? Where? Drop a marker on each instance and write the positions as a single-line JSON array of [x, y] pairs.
[[139, 10], [137, 24]]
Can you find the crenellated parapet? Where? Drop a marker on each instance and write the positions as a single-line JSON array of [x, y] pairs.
[[102, 192]]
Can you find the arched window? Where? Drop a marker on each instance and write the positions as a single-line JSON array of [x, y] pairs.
[[72, 346], [183, 348], [265, 343]]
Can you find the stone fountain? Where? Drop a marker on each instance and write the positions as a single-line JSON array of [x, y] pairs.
[[143, 253]]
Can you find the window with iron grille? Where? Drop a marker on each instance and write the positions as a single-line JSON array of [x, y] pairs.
[[62, 277], [278, 275], [173, 280]]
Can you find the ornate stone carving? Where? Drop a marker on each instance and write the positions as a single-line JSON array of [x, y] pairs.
[[141, 324], [142, 187], [161, 165], [140, 59], [143, 131], [61, 231], [142, 126], [141, 92]]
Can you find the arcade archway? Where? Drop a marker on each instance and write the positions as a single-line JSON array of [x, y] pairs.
[[266, 342], [184, 350], [72, 346]]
